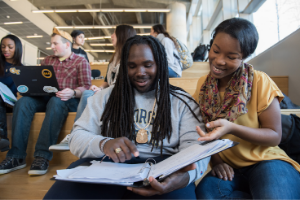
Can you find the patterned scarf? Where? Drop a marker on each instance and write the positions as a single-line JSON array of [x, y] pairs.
[[236, 96]]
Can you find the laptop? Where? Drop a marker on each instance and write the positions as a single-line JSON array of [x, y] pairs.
[[34, 80]]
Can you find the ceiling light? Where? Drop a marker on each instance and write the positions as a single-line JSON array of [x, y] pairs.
[[158, 10], [43, 11], [112, 10], [49, 48], [101, 44], [142, 26], [41, 58], [83, 27], [94, 50], [100, 27], [7, 23], [48, 43], [7, 16], [89, 10], [135, 10], [34, 36], [65, 11], [97, 38], [105, 37], [103, 10]]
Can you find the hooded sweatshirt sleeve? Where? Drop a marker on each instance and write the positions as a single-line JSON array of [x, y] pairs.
[[86, 134]]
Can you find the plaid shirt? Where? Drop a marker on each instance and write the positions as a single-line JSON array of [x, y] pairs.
[[73, 72]]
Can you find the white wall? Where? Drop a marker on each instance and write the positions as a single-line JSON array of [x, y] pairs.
[[282, 59], [30, 51]]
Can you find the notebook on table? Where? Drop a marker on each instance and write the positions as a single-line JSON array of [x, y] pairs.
[[34, 80], [136, 175]]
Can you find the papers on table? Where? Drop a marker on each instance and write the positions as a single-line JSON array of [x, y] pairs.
[[6, 94], [128, 174]]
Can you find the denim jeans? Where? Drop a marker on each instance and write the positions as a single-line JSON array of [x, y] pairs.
[[3, 121], [172, 74], [270, 179], [83, 101], [73, 190], [56, 115]]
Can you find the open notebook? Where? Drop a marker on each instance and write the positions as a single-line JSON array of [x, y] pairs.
[[137, 174]]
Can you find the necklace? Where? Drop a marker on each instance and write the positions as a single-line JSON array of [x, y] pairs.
[[142, 136]]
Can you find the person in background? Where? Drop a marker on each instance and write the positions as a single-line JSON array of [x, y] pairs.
[[119, 37], [73, 74], [240, 103], [11, 54], [174, 64], [112, 122], [78, 41]]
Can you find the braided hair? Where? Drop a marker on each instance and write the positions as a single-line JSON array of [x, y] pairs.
[[118, 116]]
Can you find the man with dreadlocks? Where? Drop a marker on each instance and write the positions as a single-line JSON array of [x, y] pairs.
[[142, 115]]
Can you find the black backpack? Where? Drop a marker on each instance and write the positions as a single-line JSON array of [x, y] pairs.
[[200, 53], [290, 140]]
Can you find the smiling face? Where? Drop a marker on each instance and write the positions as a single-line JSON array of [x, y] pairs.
[[225, 56], [79, 40], [8, 48], [142, 68]]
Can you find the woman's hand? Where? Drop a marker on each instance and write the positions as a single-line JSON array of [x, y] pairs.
[[223, 171], [126, 146], [220, 126], [177, 180], [95, 88]]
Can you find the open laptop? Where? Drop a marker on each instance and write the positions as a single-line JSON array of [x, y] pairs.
[[34, 80]]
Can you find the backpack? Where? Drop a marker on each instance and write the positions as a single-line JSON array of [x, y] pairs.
[[186, 58], [290, 140], [200, 53]]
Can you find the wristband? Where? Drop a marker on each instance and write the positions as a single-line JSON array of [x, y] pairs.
[[74, 95], [103, 143]]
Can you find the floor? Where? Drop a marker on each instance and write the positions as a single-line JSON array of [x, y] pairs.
[[19, 185]]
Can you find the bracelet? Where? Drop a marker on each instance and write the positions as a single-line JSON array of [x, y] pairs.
[[103, 143]]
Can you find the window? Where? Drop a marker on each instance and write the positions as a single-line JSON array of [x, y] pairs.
[[275, 20]]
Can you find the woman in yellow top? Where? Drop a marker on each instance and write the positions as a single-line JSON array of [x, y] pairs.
[[242, 104]]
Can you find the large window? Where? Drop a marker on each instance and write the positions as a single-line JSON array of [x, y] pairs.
[[275, 20]]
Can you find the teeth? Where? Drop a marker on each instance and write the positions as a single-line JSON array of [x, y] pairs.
[[217, 70]]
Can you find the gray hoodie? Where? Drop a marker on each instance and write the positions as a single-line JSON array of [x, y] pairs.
[[86, 134]]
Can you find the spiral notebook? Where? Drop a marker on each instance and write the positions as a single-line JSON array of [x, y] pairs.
[[138, 174]]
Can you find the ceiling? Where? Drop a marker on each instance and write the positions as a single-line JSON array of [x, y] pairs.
[[64, 19]]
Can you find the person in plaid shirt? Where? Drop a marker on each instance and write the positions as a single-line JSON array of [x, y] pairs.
[[73, 74]]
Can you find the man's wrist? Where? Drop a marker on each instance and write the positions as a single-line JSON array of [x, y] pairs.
[[74, 95]]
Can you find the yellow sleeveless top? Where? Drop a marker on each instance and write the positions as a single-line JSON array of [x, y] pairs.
[[264, 90]]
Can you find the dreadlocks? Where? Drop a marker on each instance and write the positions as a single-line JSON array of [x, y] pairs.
[[118, 116]]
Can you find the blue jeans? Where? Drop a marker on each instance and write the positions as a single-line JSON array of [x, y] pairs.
[[270, 179], [56, 115], [172, 74], [72, 190], [3, 122], [83, 101]]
